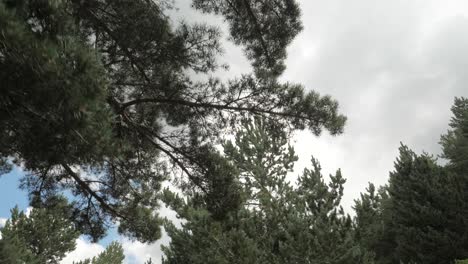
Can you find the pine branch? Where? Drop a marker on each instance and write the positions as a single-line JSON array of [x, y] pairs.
[[209, 105], [85, 187]]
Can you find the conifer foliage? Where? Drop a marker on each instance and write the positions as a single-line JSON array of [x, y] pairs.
[[45, 235], [99, 98], [104, 100], [276, 221], [420, 216]]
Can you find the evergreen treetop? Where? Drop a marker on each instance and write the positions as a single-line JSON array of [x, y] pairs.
[[274, 221]]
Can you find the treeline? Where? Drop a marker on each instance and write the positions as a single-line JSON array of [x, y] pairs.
[[255, 215], [420, 216], [104, 101]]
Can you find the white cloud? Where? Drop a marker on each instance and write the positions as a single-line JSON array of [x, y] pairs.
[[84, 249], [28, 211], [137, 252], [2, 224], [3, 221]]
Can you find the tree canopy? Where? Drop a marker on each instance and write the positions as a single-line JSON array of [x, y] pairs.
[[273, 221], [100, 98], [46, 235], [104, 101]]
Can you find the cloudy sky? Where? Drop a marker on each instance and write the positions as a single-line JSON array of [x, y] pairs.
[[394, 66]]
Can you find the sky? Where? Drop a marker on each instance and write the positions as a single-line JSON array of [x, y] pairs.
[[395, 67]]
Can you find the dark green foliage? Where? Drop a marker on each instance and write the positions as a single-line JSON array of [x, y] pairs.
[[5, 166], [369, 231], [13, 248], [420, 217], [455, 150], [45, 236], [322, 219], [97, 99], [427, 210], [222, 188], [53, 88], [265, 28], [276, 222], [455, 142], [143, 226]]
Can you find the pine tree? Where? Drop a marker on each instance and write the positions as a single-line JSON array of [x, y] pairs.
[[423, 215], [97, 96], [454, 148], [420, 216], [275, 222], [369, 230], [45, 236], [455, 142]]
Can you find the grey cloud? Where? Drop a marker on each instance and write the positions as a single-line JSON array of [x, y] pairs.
[[394, 66]]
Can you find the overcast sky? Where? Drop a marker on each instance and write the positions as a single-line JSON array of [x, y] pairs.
[[395, 68]]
